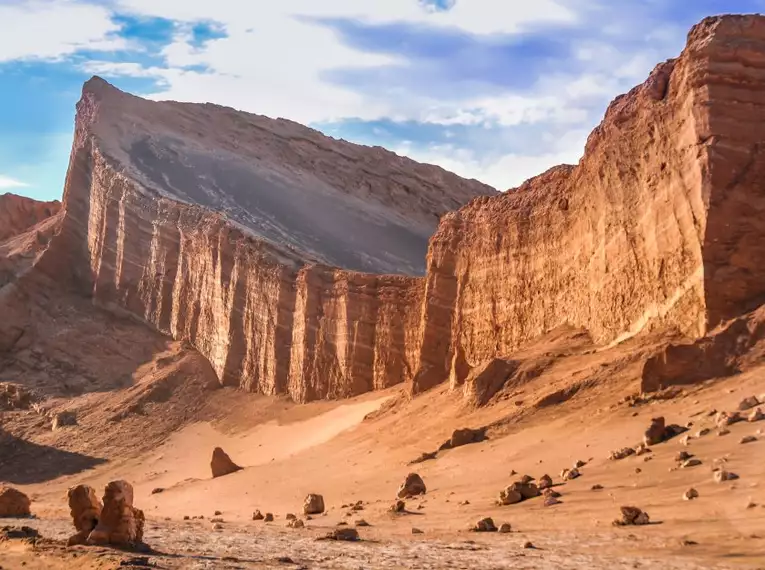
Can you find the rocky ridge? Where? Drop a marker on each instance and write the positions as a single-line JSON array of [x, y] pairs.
[[164, 220]]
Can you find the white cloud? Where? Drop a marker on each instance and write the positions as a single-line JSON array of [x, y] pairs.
[[6, 182], [51, 29]]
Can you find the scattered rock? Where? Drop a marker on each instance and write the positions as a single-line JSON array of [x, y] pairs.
[[465, 436], [686, 440], [723, 475], [398, 507], [751, 504], [19, 533], [683, 456], [257, 516], [748, 439], [411, 487], [296, 523], [756, 415], [632, 516], [120, 523], [313, 504], [157, 490], [725, 419], [622, 453], [723, 431], [14, 503], [528, 544], [463, 503], [290, 517], [217, 513], [216, 526], [570, 474], [345, 534], [748, 403], [550, 492], [361, 522], [526, 479], [703, 432], [545, 482], [61, 419], [416, 531], [655, 432], [597, 487], [509, 496], [579, 463], [425, 456], [186, 517], [484, 525], [85, 510], [504, 528], [221, 464], [691, 494], [551, 501], [269, 517], [693, 462], [642, 449]]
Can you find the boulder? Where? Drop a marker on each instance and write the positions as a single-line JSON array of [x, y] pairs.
[[509, 496], [61, 419], [545, 482], [14, 503], [484, 525], [313, 504], [120, 524], [85, 510], [748, 403], [504, 528], [527, 490], [412, 486], [465, 436], [655, 432], [632, 516], [269, 517], [290, 517], [221, 464], [622, 453]]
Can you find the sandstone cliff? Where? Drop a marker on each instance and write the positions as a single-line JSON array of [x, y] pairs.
[[219, 228], [269, 247], [660, 224], [18, 213]]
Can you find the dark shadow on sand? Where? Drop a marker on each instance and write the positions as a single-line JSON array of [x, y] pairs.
[[24, 463]]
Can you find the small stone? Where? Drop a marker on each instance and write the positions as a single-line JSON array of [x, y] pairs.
[[723, 431], [157, 491], [217, 526], [597, 487], [217, 513], [703, 432], [723, 475], [345, 534], [268, 518], [416, 531], [748, 439], [412, 486], [693, 462], [528, 544], [751, 504], [257, 516], [296, 523], [290, 517], [683, 456], [484, 525], [398, 507], [464, 503], [632, 516], [504, 528], [551, 501], [756, 415], [361, 522], [545, 482], [748, 403], [526, 479], [186, 517], [690, 494], [579, 463]]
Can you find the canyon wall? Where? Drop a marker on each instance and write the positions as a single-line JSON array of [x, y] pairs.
[[660, 224], [19, 213], [175, 214]]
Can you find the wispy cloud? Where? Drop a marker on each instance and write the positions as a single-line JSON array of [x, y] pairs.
[[493, 89], [7, 183]]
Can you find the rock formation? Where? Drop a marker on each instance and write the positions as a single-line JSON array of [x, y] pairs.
[[120, 524], [313, 504], [85, 510], [18, 213], [412, 486], [221, 464], [14, 503], [272, 249]]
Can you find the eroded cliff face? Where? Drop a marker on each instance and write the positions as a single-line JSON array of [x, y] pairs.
[[18, 213], [660, 225], [181, 215]]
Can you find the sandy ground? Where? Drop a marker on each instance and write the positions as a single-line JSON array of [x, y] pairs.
[[331, 449]]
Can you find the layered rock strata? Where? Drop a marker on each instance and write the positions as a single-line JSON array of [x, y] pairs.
[[269, 247]]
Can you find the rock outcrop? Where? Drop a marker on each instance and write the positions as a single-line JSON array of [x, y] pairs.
[[18, 213], [14, 503], [296, 265], [85, 510], [412, 486], [221, 464], [120, 524]]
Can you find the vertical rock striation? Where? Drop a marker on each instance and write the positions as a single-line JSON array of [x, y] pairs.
[[274, 250]]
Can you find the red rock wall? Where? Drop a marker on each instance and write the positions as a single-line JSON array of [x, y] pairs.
[[18, 213], [660, 225]]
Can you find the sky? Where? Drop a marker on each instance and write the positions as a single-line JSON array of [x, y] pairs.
[[497, 90]]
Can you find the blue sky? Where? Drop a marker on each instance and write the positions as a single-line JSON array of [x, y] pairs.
[[497, 90]]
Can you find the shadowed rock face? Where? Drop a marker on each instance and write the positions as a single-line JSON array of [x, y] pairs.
[[269, 247]]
